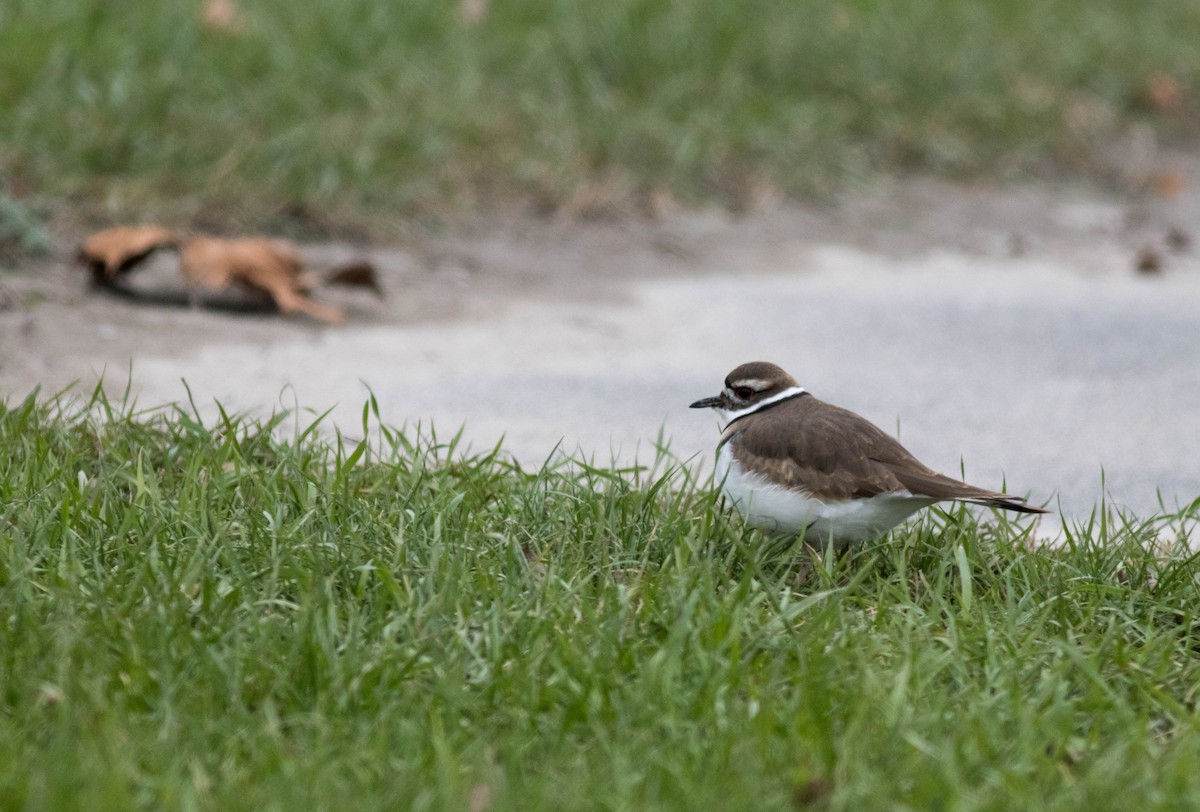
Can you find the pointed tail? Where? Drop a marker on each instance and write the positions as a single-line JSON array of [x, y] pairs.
[[1005, 502]]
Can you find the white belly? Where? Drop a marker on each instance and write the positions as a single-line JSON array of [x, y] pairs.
[[779, 510]]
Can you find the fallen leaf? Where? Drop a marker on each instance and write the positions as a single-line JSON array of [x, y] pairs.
[[1177, 239], [1163, 92], [481, 798], [1148, 261], [660, 204], [115, 251], [811, 793], [272, 268], [269, 266], [357, 273], [221, 15], [1169, 183]]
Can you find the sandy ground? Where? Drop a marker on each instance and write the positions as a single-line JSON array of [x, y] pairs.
[[1007, 333]]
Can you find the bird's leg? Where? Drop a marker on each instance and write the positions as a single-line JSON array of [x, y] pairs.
[[810, 562]]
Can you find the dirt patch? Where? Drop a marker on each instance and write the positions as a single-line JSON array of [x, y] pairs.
[[56, 331], [1011, 329]]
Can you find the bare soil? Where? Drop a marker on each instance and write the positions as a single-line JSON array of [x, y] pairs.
[[1045, 334], [56, 330]]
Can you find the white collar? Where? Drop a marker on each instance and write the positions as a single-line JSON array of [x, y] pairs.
[[790, 392]]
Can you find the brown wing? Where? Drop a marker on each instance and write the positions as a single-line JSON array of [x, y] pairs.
[[829, 452], [836, 455]]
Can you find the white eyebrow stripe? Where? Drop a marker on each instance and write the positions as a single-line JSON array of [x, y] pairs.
[[757, 384], [790, 392]]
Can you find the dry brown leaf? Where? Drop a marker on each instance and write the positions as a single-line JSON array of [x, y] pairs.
[[1169, 183], [114, 251], [660, 204], [481, 798], [1163, 92], [222, 15], [255, 263], [1177, 239], [1148, 261], [358, 273], [811, 793], [270, 267]]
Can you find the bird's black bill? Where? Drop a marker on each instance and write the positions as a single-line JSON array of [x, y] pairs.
[[707, 403]]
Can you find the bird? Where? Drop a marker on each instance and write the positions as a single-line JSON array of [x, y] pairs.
[[795, 465]]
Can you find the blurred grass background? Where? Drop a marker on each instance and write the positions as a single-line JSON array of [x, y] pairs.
[[365, 111]]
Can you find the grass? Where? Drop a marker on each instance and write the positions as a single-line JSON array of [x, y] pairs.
[[211, 617], [377, 110]]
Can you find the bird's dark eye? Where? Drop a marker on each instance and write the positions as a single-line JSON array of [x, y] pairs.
[[744, 392]]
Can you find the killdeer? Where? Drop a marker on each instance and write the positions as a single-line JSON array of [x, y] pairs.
[[794, 464]]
